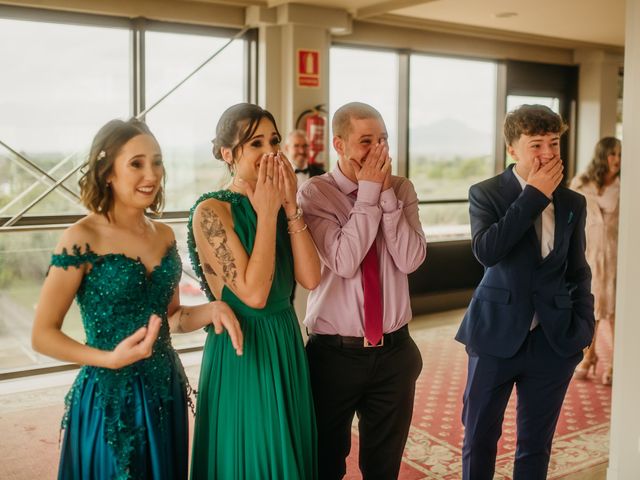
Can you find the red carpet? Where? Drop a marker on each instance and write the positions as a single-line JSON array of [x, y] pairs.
[[29, 422], [433, 450]]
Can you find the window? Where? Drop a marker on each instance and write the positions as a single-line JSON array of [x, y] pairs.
[[185, 122], [56, 90], [450, 123], [514, 101], [451, 137], [443, 115], [69, 76], [368, 76]]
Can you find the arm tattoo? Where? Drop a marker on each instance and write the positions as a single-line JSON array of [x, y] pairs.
[[213, 231], [209, 269]]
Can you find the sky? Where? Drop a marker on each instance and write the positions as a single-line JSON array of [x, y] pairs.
[[54, 99]]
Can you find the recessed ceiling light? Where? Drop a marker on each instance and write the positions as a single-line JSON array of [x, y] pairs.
[[505, 14]]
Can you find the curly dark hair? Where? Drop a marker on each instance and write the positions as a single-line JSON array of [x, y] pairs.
[[95, 194], [237, 125], [532, 120], [599, 165]]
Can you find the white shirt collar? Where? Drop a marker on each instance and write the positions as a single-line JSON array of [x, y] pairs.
[[521, 181]]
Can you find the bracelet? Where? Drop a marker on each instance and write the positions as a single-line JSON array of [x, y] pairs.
[[297, 231], [295, 216]]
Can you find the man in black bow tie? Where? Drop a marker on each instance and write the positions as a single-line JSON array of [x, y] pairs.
[[296, 148]]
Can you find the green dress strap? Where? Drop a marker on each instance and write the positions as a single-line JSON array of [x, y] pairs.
[[245, 223], [74, 259]]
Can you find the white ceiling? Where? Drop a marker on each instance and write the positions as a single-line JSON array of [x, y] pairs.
[[591, 21]]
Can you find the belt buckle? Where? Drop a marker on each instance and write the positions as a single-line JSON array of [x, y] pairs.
[[367, 344]]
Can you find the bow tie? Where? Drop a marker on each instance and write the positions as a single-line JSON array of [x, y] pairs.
[[302, 170]]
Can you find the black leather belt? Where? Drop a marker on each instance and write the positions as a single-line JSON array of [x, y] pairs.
[[388, 339]]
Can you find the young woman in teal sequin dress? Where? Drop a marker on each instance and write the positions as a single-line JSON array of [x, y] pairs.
[[126, 413], [254, 416]]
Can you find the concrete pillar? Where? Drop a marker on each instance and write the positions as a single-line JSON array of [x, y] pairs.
[[597, 100], [624, 454], [284, 31]]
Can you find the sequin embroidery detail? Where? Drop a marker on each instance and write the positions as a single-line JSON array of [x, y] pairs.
[[116, 298]]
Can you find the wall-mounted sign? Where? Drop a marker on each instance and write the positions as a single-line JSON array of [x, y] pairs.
[[308, 68]]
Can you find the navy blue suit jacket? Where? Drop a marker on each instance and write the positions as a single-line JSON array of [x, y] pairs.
[[517, 281]]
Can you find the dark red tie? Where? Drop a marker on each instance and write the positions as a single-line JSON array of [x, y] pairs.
[[372, 294]]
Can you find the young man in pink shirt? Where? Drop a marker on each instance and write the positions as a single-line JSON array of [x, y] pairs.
[[365, 224]]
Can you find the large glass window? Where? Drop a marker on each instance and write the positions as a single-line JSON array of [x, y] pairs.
[[451, 136], [63, 79], [59, 84], [185, 122], [450, 123], [368, 76]]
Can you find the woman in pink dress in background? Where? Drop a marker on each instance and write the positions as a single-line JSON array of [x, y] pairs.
[[600, 184]]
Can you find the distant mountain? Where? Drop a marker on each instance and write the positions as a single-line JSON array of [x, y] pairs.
[[449, 137]]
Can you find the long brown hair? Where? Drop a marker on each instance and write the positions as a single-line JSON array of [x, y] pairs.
[[599, 166], [95, 192]]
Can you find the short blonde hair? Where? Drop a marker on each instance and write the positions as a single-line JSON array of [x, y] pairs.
[[341, 122]]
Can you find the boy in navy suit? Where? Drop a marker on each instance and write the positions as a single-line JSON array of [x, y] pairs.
[[532, 313]]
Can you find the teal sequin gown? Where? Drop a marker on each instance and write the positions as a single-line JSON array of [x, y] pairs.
[[254, 415], [129, 423]]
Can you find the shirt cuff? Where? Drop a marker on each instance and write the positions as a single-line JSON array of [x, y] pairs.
[[369, 192], [388, 201]]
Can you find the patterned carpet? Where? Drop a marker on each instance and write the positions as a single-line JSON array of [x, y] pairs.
[[433, 450], [29, 421]]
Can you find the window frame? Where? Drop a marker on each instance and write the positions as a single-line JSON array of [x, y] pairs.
[[404, 99], [506, 71], [137, 28], [497, 117]]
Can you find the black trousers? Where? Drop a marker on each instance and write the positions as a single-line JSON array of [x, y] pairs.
[[377, 384]]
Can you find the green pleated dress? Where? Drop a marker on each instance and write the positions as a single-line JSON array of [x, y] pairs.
[[254, 413]]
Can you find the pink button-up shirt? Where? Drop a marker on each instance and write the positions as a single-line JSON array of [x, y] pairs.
[[343, 229]]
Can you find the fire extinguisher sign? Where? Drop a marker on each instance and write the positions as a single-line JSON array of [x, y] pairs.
[[308, 68]]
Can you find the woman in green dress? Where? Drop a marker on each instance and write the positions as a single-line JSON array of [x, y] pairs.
[[249, 243], [126, 413]]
